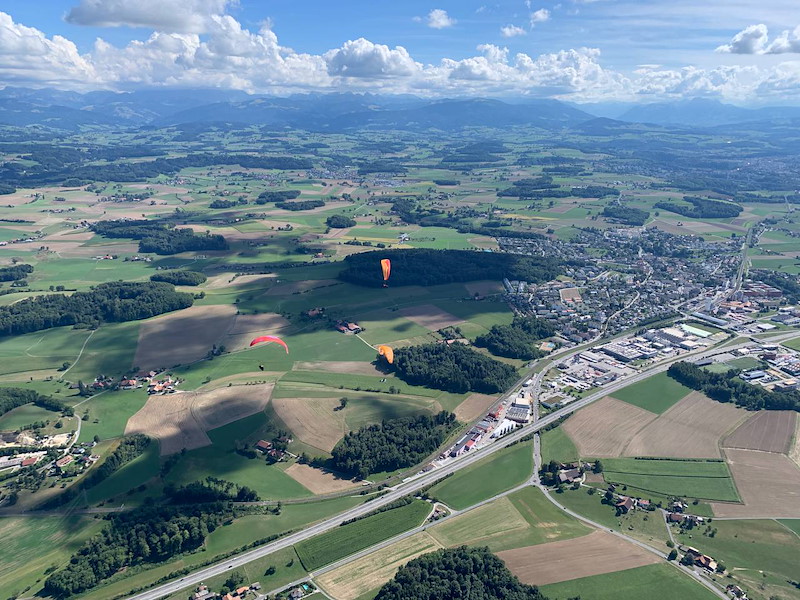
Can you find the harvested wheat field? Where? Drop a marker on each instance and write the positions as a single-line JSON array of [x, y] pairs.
[[312, 420], [605, 427], [246, 327], [181, 420], [318, 481], [794, 453], [593, 554], [183, 336], [224, 280], [430, 316], [691, 428], [473, 407], [225, 405], [768, 483], [768, 430], [372, 571], [170, 420], [352, 367]]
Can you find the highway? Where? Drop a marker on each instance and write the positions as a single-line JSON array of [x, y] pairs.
[[418, 482]]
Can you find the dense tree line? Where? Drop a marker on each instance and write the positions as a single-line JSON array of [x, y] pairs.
[[530, 187], [210, 489], [300, 205], [453, 368], [457, 574], [423, 266], [108, 302], [594, 191], [446, 182], [66, 163], [179, 277], [160, 238], [394, 444], [225, 203], [340, 222], [626, 214], [727, 387], [277, 196], [144, 535], [497, 233], [517, 340], [15, 273], [11, 398], [702, 208]]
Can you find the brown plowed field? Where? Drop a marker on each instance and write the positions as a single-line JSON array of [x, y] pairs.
[[769, 431], [691, 428], [605, 427], [317, 480], [473, 407], [312, 420], [181, 420], [768, 483], [794, 453], [593, 554], [183, 336], [246, 327], [430, 316]]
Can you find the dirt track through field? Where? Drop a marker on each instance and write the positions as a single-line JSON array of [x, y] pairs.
[[312, 420], [605, 427], [183, 336], [593, 554], [769, 431], [318, 481], [181, 420], [691, 428], [768, 483]]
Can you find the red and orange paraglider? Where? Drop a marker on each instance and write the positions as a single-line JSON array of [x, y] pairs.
[[387, 353], [386, 267], [270, 338]]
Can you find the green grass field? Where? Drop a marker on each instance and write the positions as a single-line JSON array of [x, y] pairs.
[[111, 410], [656, 393], [220, 459], [524, 518], [348, 539], [507, 468], [137, 472], [558, 446], [692, 479], [662, 580], [30, 413]]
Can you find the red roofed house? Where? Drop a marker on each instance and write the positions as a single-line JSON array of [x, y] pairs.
[[625, 504], [64, 460], [31, 460], [263, 445]]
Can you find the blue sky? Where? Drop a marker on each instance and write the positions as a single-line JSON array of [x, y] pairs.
[[583, 50]]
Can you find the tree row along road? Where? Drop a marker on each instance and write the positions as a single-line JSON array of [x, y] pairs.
[[415, 484]]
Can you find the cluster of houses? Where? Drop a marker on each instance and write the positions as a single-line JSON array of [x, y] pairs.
[[22, 460], [269, 449], [493, 425], [203, 593], [79, 454], [699, 559], [348, 327]]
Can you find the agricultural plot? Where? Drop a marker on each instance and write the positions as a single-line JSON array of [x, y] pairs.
[[768, 483], [348, 539], [183, 336], [692, 428], [473, 407], [488, 477], [245, 327], [768, 431], [430, 317], [524, 518], [692, 479], [318, 481], [556, 445], [631, 584], [352, 581], [593, 554], [655, 394], [604, 428]]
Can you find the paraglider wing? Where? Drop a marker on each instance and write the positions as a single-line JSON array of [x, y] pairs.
[[386, 265], [270, 338], [387, 353]]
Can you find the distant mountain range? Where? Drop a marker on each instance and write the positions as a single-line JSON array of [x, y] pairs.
[[344, 112]]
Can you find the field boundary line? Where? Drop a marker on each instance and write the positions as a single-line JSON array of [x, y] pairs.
[[86, 341]]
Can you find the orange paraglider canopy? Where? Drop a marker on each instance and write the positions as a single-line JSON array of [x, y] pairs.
[[270, 338], [387, 353], [386, 266]]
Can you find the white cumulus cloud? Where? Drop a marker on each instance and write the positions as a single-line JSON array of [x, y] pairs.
[[439, 19], [787, 42], [512, 31], [751, 40], [361, 58], [182, 16], [540, 16]]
